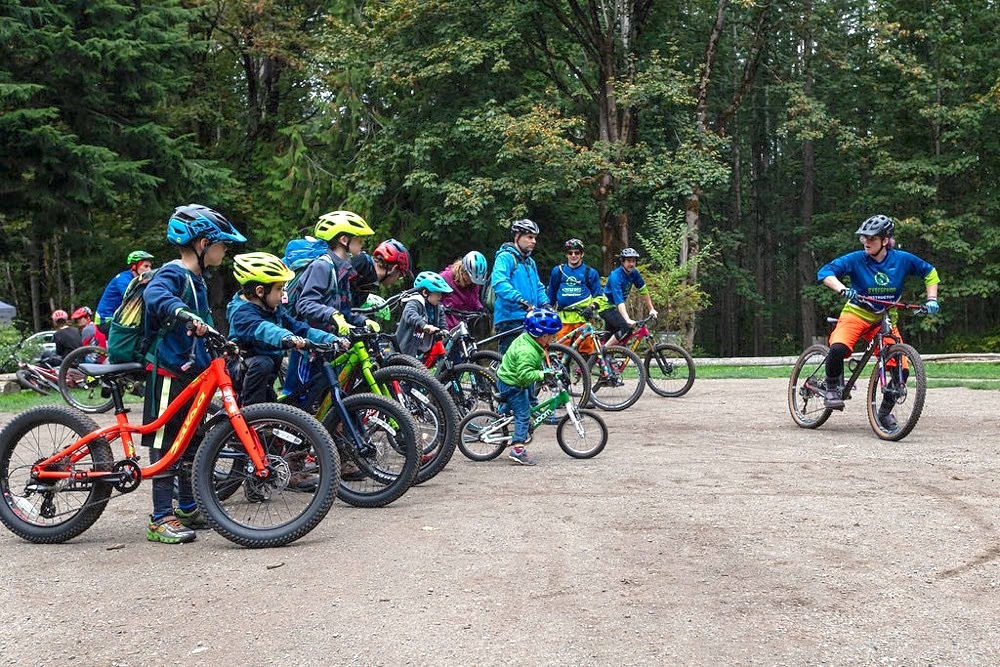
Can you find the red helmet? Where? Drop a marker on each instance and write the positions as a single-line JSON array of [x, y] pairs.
[[82, 311], [395, 253], [59, 315]]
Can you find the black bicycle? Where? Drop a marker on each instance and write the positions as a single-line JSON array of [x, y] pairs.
[[896, 390]]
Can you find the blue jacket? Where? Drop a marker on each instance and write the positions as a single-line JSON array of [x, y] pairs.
[[620, 284], [259, 331], [515, 277], [113, 294], [880, 280], [162, 303], [322, 289]]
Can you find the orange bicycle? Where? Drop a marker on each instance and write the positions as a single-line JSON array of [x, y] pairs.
[[57, 472]]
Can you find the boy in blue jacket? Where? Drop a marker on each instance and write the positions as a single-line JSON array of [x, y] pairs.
[[174, 296], [262, 326]]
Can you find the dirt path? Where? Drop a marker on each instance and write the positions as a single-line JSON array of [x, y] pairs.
[[710, 531]]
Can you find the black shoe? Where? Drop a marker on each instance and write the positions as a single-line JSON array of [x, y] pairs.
[[831, 395]]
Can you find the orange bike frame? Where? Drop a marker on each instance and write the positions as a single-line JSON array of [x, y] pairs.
[[201, 390]]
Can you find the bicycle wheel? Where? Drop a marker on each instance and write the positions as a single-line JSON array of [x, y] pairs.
[[806, 387], [48, 513], [472, 387], [28, 380], [669, 370], [489, 358], [80, 390], [483, 435], [385, 451], [584, 440], [400, 359], [617, 378], [432, 410], [896, 398], [288, 504], [574, 372]]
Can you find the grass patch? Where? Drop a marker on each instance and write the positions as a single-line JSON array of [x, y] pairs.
[[26, 399], [944, 374]]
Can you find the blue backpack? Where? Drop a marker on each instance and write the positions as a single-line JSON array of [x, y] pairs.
[[299, 253]]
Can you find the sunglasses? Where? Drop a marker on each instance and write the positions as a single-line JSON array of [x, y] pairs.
[[574, 252]]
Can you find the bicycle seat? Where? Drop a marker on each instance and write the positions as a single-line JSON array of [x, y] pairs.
[[97, 370]]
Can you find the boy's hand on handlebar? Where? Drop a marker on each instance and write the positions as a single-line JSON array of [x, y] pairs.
[[195, 325]]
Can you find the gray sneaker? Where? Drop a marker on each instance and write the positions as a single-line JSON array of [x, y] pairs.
[[520, 455], [169, 531]]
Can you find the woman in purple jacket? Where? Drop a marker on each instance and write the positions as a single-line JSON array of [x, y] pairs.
[[465, 277]]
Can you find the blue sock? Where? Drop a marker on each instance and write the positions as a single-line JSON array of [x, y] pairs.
[[190, 507]]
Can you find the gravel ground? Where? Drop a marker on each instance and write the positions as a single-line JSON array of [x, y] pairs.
[[710, 531]]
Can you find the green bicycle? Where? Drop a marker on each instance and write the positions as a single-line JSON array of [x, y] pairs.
[[582, 434]]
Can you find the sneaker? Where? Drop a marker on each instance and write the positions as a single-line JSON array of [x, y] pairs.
[[193, 519], [169, 531], [520, 455], [885, 412], [351, 473], [832, 398]]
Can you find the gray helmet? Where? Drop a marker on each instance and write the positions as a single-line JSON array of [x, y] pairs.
[[628, 252], [524, 226], [877, 225]]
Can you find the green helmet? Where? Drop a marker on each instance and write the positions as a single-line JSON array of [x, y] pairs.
[[137, 256], [375, 301]]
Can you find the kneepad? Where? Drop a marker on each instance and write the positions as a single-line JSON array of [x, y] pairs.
[[839, 351]]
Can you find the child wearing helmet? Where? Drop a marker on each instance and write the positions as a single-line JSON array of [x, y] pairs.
[[878, 270], [66, 338], [620, 283], [421, 316], [175, 296], [89, 332], [138, 262], [262, 325], [389, 262], [523, 365], [466, 276]]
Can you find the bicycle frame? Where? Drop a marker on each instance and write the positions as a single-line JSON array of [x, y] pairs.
[[199, 393], [539, 413], [882, 338]]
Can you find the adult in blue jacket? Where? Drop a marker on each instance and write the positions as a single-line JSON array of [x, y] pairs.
[[878, 271], [139, 261], [515, 281]]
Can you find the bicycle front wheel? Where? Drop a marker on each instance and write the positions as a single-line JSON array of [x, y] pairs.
[[50, 512], [286, 505], [80, 390], [28, 380], [617, 378], [380, 443], [584, 439], [896, 396], [483, 435], [806, 387], [669, 370]]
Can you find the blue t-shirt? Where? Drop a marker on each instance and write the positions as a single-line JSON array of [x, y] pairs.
[[620, 284], [568, 285], [879, 280], [113, 294]]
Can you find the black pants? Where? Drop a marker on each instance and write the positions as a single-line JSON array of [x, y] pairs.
[[258, 380], [161, 390]]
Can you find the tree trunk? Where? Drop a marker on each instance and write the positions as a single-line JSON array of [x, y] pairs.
[[31, 253]]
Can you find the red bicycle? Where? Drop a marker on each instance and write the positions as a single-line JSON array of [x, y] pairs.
[[57, 472]]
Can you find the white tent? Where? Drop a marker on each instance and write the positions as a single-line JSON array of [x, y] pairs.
[[7, 312]]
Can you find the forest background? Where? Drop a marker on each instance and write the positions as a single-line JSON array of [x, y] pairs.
[[737, 144]]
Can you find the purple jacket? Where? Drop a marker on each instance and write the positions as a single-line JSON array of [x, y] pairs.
[[460, 299]]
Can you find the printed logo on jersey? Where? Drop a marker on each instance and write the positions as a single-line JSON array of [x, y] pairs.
[[881, 279]]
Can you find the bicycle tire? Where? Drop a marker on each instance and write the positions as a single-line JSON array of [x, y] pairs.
[[427, 401], [28, 380], [578, 442], [805, 399], [489, 358], [400, 359], [616, 391], [905, 388], [85, 392], [472, 387], [31, 436], [390, 458], [574, 371], [665, 374], [474, 427], [282, 513]]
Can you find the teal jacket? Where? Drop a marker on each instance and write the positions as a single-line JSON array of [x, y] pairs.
[[523, 362]]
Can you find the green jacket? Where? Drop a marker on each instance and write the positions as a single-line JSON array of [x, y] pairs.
[[523, 362]]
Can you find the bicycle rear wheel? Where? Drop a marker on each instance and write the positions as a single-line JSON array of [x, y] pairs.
[[669, 370], [574, 372], [29, 380], [584, 440], [806, 387], [896, 398], [617, 378], [385, 451], [472, 387], [50, 512], [483, 435], [288, 504], [80, 390]]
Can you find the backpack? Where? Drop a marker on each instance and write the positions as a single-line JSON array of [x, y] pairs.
[[128, 340], [300, 253]]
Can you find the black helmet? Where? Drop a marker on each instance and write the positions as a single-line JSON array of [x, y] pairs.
[[524, 226], [877, 225], [628, 252]]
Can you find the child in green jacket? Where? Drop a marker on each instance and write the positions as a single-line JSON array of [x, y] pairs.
[[523, 365]]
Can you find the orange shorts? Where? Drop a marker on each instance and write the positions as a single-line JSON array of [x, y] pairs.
[[851, 328], [586, 345]]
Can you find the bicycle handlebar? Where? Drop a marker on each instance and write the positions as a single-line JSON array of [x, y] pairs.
[[390, 303], [892, 303]]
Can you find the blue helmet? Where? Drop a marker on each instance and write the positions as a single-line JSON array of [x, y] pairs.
[[432, 282], [541, 321], [477, 268], [195, 221]]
